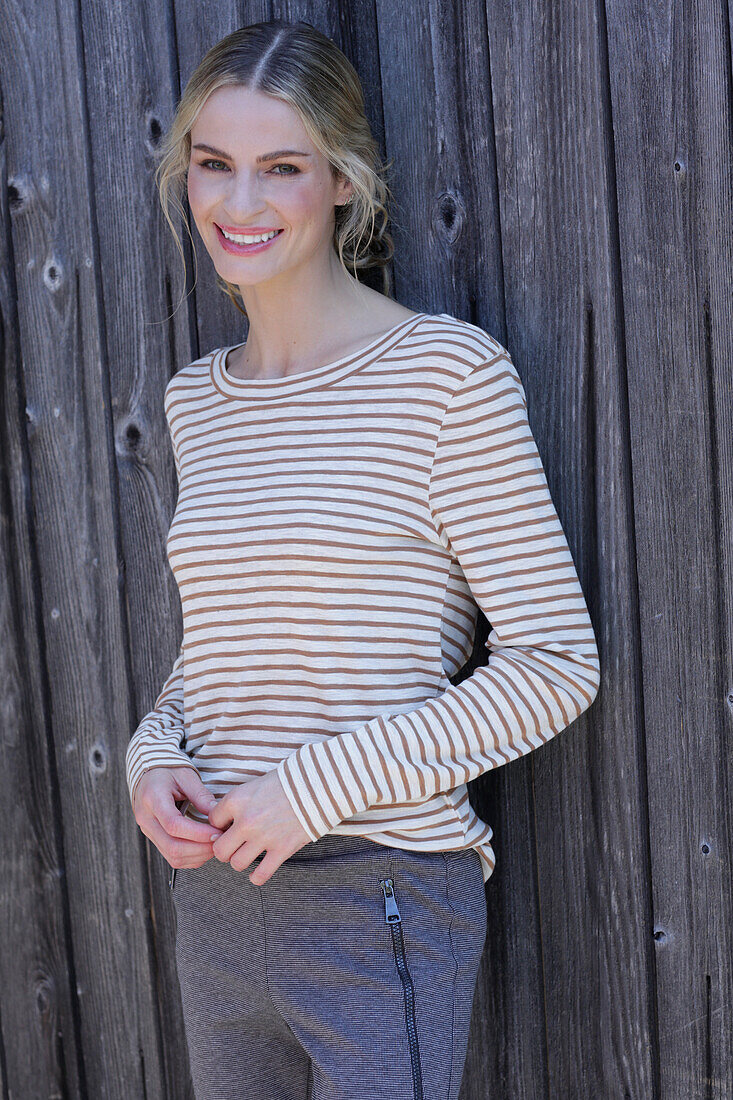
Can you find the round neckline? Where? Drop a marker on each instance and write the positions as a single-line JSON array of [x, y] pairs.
[[291, 384]]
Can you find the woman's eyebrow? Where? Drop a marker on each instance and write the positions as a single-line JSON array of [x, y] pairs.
[[265, 156]]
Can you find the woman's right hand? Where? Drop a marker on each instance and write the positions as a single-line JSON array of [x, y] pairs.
[[182, 841]]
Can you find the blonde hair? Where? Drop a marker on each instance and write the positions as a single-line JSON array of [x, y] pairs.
[[296, 63]]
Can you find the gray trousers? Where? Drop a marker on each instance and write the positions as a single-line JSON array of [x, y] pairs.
[[349, 975]]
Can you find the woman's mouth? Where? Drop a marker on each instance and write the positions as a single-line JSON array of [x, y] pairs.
[[246, 243]]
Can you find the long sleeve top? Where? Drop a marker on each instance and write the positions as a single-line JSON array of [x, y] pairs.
[[335, 533]]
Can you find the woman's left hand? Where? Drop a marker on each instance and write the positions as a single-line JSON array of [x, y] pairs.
[[261, 819]]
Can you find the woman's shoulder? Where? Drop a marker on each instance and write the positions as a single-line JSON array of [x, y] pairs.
[[463, 347], [458, 335], [478, 368]]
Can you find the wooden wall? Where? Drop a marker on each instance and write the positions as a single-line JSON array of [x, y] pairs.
[[563, 173]]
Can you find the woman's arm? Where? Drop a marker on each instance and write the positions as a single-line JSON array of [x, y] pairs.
[[158, 741], [492, 510]]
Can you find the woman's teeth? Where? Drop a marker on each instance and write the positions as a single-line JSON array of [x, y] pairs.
[[248, 238]]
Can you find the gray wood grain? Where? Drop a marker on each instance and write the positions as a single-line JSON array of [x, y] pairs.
[[39, 1043], [149, 331], [670, 97], [562, 290]]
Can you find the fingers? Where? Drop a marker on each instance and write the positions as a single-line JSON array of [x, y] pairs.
[[156, 799], [178, 853], [222, 813], [244, 855], [189, 781], [182, 841], [179, 826], [266, 868], [247, 853]]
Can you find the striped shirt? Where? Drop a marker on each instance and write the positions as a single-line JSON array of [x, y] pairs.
[[335, 533]]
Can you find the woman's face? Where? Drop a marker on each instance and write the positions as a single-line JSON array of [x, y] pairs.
[[235, 184]]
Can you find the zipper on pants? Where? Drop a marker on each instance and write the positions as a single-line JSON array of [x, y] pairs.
[[394, 920]]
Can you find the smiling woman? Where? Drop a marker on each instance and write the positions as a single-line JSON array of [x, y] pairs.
[[338, 141], [356, 480]]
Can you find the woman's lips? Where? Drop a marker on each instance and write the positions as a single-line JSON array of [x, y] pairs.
[[244, 249]]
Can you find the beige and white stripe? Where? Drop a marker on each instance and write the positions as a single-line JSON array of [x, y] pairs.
[[334, 534]]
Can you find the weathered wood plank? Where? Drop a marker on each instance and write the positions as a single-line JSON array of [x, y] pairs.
[[40, 1053], [72, 504], [149, 332], [670, 96], [562, 292]]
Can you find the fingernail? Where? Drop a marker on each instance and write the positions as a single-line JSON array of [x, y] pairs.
[[214, 836]]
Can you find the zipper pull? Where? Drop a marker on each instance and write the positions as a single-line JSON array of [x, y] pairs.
[[391, 912]]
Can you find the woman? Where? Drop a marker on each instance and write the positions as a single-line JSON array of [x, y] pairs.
[[355, 480]]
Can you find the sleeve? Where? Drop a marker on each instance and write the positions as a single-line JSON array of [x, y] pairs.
[[491, 509], [158, 741]]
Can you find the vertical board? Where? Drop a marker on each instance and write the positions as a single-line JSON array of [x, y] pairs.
[[105, 1039], [561, 264], [147, 328], [670, 87]]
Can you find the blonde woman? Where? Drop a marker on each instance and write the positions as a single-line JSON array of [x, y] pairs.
[[356, 479]]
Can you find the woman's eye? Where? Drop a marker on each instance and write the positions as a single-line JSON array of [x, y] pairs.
[[293, 170]]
